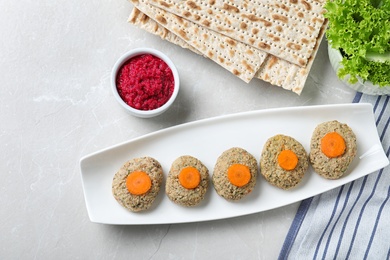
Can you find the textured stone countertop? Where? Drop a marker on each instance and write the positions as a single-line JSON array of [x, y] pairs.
[[56, 106]]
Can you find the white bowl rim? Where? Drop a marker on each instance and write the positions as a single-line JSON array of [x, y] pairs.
[[139, 51]]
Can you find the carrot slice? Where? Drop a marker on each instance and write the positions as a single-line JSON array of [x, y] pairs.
[[239, 174], [138, 183], [288, 160], [189, 177], [333, 145]]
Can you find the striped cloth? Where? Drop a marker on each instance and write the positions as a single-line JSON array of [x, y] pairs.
[[352, 221]]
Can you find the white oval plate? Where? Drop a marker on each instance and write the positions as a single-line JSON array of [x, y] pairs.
[[206, 140]]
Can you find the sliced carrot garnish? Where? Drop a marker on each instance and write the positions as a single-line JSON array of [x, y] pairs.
[[333, 145], [239, 174], [138, 183], [189, 177], [288, 160]]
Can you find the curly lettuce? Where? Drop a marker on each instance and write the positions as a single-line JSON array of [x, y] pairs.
[[361, 30]]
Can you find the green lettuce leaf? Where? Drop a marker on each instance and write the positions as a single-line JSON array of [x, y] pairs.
[[361, 30]]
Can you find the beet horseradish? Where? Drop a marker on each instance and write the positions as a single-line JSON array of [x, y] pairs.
[[145, 82]]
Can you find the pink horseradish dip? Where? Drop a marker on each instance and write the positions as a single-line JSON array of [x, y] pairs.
[[145, 82]]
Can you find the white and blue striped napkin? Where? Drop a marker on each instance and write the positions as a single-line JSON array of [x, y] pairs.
[[352, 221]]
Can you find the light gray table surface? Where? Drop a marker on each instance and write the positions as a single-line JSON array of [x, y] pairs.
[[56, 106]]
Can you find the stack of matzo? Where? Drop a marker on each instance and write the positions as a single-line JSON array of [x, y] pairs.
[[275, 41]]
